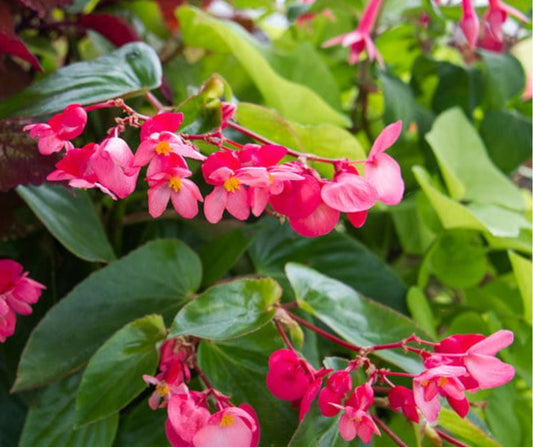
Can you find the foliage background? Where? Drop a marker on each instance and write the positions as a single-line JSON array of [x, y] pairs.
[[454, 255]]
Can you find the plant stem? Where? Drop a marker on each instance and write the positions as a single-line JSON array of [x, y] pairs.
[[450, 439], [150, 97], [281, 331], [389, 432]]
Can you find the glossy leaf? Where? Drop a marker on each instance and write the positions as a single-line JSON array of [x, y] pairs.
[[420, 310], [469, 174], [219, 255], [50, 423], [336, 255], [158, 277], [132, 69], [70, 216], [358, 320], [399, 100], [291, 100], [228, 310], [142, 427], [239, 367], [502, 417], [465, 430], [113, 377]]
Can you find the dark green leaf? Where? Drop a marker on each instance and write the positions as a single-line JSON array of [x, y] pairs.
[[507, 136], [335, 255], [142, 427], [399, 100], [132, 69], [12, 415], [70, 216], [158, 277], [228, 310], [50, 423], [113, 377], [219, 256], [360, 321], [238, 367], [502, 415], [504, 78]]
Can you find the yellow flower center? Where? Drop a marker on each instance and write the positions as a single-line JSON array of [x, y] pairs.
[[163, 148], [443, 381], [232, 184], [227, 420], [174, 183], [162, 389]]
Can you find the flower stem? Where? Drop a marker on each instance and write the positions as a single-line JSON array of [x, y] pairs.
[[324, 334], [450, 439], [389, 432], [281, 331]]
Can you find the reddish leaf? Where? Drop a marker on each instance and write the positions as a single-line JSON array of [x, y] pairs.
[[10, 43], [115, 29], [20, 161], [44, 6]]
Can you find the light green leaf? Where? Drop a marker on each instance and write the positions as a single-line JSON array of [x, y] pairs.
[[420, 309], [70, 216], [229, 310], [157, 277], [50, 423], [465, 430], [522, 269], [291, 100], [113, 377], [132, 69], [467, 170], [360, 321]]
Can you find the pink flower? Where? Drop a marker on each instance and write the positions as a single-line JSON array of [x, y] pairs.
[[348, 192], [170, 183], [491, 36], [55, 135], [356, 421], [17, 292], [402, 399], [227, 110], [381, 170], [163, 122], [476, 353], [360, 39], [469, 23], [440, 381], [112, 163], [289, 376], [224, 171], [330, 399], [161, 145], [231, 427], [187, 414], [75, 167]]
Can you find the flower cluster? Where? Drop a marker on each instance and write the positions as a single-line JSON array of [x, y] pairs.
[[190, 422], [248, 180], [17, 292], [458, 364]]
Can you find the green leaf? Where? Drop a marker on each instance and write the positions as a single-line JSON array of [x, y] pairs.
[[50, 423], [70, 216], [458, 259], [219, 255], [507, 136], [319, 431], [290, 99], [336, 255], [229, 310], [142, 427], [238, 367], [504, 78], [502, 415], [420, 309], [360, 321], [399, 100], [467, 170], [158, 277], [132, 69], [113, 377], [465, 430], [522, 268]]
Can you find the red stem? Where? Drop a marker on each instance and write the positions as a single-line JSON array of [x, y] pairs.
[[281, 331], [389, 432], [450, 439], [324, 334], [154, 101]]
